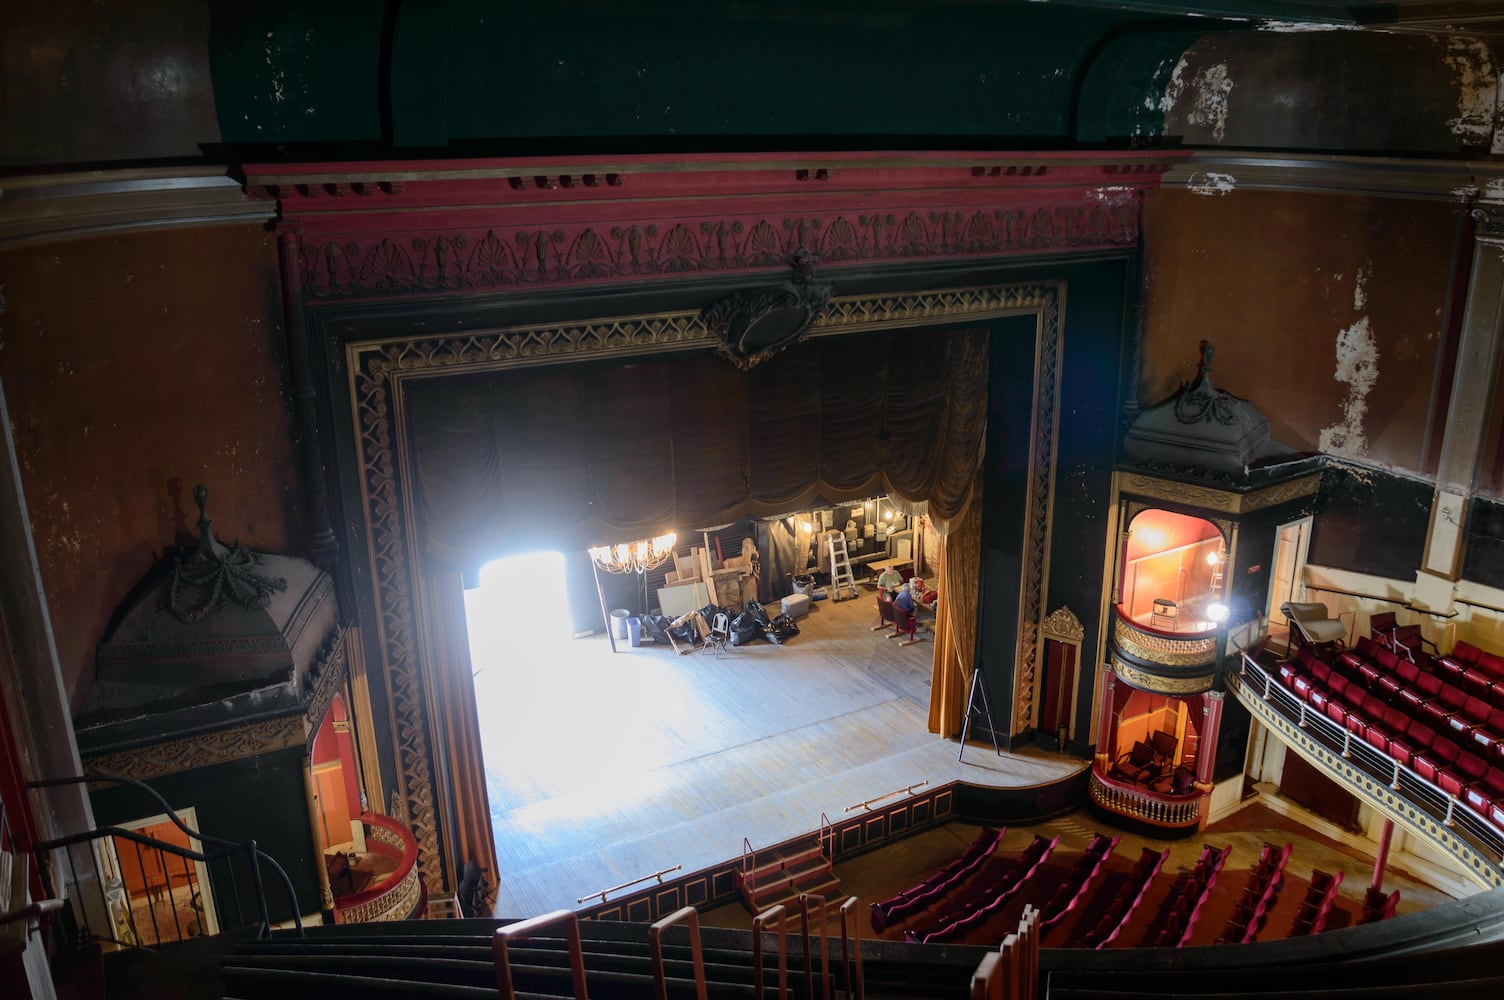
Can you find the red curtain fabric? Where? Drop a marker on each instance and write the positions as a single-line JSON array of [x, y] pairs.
[[569, 456]]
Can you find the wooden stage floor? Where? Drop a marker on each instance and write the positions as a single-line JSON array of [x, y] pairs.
[[603, 768]]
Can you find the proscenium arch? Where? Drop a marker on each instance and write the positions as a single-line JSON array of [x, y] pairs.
[[375, 436]]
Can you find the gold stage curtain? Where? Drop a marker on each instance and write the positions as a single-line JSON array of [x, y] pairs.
[[956, 619], [567, 456], [460, 764]]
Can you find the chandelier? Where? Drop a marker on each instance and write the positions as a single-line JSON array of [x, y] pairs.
[[634, 557]]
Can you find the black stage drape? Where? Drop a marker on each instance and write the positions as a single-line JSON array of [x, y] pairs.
[[573, 455]]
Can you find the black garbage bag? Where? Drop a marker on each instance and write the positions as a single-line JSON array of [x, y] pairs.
[[745, 628], [655, 628], [686, 632], [783, 628], [758, 612]]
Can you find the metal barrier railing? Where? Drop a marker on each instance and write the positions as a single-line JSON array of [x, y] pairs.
[[1254, 683], [117, 905]]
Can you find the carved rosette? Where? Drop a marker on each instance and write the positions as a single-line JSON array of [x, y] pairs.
[[378, 368]]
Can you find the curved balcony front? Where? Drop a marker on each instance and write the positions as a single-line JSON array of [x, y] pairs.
[[395, 895], [1163, 810]]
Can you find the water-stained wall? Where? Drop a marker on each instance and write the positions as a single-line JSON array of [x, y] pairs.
[[1328, 312], [136, 366]]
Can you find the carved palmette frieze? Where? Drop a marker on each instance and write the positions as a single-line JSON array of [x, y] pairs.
[[568, 253], [378, 367]]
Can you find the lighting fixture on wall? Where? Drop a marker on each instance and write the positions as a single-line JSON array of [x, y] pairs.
[[635, 557], [1212, 558]]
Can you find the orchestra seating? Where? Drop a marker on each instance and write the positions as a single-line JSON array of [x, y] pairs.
[[1316, 908], [932, 888], [986, 898], [1258, 895], [1377, 906]]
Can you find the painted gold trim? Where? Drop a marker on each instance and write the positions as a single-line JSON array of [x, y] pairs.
[[1212, 498], [1063, 624], [377, 369], [1144, 680], [1163, 650]]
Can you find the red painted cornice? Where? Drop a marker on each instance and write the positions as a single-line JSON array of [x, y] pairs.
[[424, 228]]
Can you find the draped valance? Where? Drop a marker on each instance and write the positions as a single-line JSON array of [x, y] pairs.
[[567, 456]]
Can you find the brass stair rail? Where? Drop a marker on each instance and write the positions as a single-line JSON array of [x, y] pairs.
[[852, 960], [887, 795], [758, 922], [524, 929], [627, 885], [655, 950]]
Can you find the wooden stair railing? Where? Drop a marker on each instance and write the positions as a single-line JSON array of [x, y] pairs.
[[1011, 972]]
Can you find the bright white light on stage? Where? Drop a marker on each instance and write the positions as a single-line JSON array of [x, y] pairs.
[[1217, 612]]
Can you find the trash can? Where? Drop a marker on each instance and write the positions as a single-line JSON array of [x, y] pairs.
[[619, 618], [803, 584], [634, 630]]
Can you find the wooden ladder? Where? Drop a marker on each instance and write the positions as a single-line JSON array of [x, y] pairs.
[[840, 568]]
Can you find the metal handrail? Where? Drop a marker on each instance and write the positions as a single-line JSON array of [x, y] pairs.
[[690, 915], [627, 885], [524, 929], [887, 795], [229, 848], [1255, 682], [767, 916]]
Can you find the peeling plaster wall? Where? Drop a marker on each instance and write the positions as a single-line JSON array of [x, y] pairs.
[[1325, 311], [1326, 90], [130, 362]]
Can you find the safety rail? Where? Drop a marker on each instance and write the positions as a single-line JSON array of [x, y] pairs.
[[909, 790], [637, 881], [522, 930], [1401, 792], [687, 915], [1169, 811], [123, 930], [1011, 972]]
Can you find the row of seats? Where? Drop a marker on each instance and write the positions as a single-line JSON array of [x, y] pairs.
[[1079, 882], [1193, 897], [1316, 908], [1437, 693], [1110, 924], [1259, 893], [986, 899], [1414, 741], [1377, 906], [936, 885]]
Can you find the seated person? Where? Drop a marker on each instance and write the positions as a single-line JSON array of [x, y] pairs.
[[904, 599], [923, 595], [888, 580]]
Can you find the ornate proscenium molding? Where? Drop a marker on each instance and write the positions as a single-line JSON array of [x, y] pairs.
[[378, 368], [755, 324]]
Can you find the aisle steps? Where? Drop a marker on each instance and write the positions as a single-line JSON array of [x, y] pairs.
[[781, 875]]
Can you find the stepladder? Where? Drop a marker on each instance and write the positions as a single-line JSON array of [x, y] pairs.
[[840, 567]]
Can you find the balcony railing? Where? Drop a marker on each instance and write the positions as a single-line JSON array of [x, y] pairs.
[[1404, 796], [1180, 650], [1173, 812], [398, 896]]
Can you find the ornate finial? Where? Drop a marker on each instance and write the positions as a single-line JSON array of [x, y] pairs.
[[202, 582], [205, 548], [1199, 401]]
